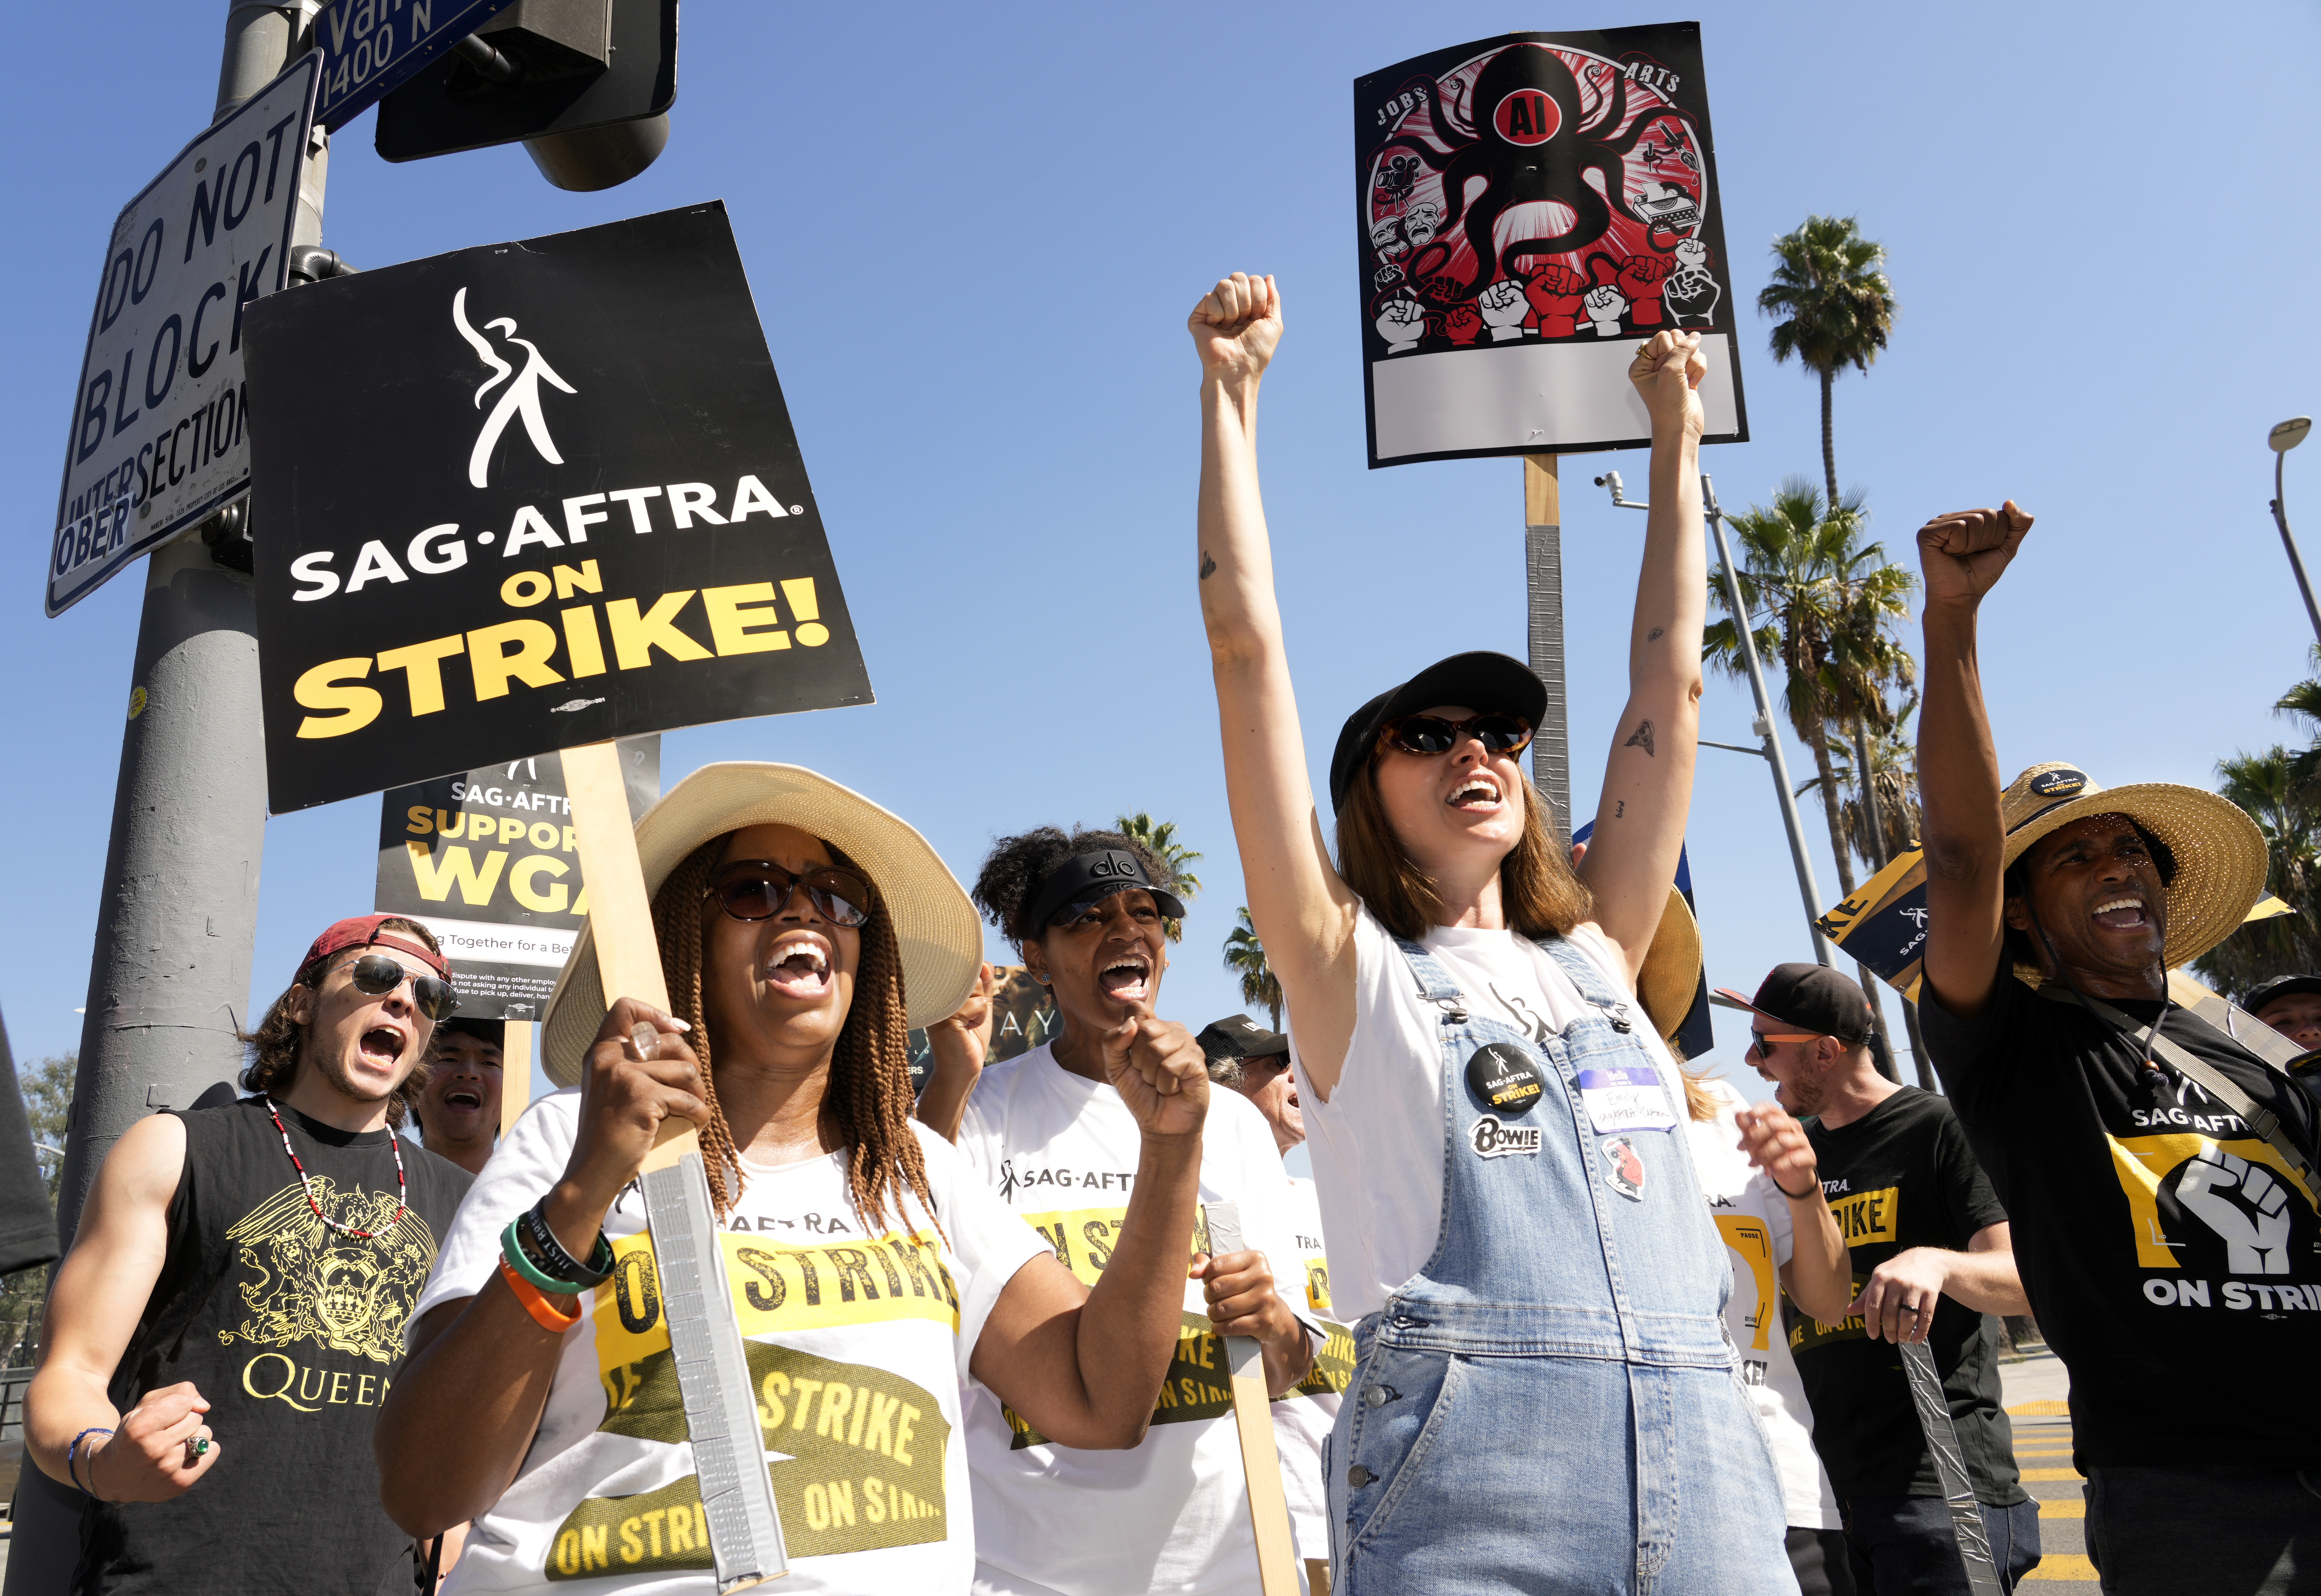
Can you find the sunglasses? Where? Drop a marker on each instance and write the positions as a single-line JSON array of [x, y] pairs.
[[759, 890], [1761, 1043], [376, 975], [1427, 735]]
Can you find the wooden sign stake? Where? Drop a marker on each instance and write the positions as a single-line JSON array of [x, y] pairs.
[[516, 1071], [1260, 1460]]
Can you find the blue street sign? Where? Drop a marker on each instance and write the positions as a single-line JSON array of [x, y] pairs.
[[372, 47]]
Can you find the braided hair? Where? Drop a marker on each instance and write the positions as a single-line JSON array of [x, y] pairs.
[[868, 1104]]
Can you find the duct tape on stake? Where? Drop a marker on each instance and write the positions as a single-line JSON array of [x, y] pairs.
[[1268, 1507], [1950, 1465]]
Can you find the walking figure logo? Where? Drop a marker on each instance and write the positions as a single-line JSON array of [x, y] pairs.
[[523, 395]]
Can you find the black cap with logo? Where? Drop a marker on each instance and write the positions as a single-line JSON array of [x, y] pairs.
[[1091, 877], [1238, 1036], [1811, 998], [1483, 681]]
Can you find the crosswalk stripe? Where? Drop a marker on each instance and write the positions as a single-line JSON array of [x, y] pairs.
[[2029, 1475], [2074, 1509], [2061, 1566]]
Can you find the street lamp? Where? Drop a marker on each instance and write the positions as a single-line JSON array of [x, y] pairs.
[[2283, 438]]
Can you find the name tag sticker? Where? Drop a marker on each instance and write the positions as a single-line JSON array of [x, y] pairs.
[[1629, 1097]]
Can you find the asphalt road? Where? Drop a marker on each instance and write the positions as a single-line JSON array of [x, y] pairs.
[[2035, 1388]]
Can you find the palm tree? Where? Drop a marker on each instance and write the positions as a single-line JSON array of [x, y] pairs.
[[1161, 836], [2287, 809], [1838, 306], [1894, 782], [1245, 957]]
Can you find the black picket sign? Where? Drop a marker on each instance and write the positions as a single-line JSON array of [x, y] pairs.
[[525, 497]]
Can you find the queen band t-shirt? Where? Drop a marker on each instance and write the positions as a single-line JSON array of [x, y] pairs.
[[2172, 1256], [1902, 1176], [858, 1337]]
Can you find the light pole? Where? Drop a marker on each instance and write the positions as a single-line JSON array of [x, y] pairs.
[[2283, 438]]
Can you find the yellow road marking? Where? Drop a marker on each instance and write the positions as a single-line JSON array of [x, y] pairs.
[[2039, 1409], [2061, 1566], [2029, 1475], [2075, 1508]]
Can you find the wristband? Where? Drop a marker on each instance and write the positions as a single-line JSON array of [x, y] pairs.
[[72, 1466], [561, 1264], [1793, 1195], [513, 1256], [544, 1313]]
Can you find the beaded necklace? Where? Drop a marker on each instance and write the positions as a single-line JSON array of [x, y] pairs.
[[402, 1186]]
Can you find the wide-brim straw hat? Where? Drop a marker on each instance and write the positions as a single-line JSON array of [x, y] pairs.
[[1671, 978], [2220, 854], [935, 926]]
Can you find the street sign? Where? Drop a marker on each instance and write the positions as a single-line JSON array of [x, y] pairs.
[[1529, 210], [489, 861], [159, 431], [529, 495], [369, 47]]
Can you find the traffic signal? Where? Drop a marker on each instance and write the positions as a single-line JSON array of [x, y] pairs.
[[585, 84]]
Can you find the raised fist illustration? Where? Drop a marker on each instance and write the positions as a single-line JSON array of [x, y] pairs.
[[1554, 293], [1503, 305], [1402, 323], [2244, 1204], [1462, 324], [1639, 279], [1603, 308]]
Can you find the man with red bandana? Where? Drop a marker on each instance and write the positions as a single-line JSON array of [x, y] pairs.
[[231, 1312]]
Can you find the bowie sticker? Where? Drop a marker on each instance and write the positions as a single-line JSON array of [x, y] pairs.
[[1491, 1139]]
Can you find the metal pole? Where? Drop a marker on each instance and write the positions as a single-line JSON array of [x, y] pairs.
[[1823, 952], [179, 918], [1551, 747], [1874, 837], [2296, 561]]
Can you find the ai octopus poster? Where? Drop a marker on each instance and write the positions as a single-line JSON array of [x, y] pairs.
[[1531, 209]]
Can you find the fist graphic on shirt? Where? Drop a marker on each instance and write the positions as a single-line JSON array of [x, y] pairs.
[[2243, 1203]]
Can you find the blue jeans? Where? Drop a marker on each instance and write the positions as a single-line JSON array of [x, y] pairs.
[[1904, 1544]]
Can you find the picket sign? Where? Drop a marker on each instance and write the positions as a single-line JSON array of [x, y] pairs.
[[712, 1368], [1260, 1460]]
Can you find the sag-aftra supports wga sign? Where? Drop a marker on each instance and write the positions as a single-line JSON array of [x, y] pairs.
[[526, 496]]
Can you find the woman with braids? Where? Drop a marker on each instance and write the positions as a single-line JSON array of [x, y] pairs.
[[802, 930], [1051, 1134], [1544, 1397]]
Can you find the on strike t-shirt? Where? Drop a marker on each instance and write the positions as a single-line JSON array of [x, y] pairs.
[[1376, 1144], [1302, 1417], [2173, 1261], [1753, 1219], [1902, 1176], [858, 1343], [1171, 1513]]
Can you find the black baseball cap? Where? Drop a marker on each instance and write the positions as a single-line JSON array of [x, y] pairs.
[[1811, 998], [2280, 987], [1091, 876], [1483, 681], [491, 1031], [1238, 1036]]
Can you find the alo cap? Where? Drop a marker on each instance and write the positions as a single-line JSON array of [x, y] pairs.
[[1091, 877]]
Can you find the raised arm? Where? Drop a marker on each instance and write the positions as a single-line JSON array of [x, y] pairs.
[[99, 1296], [1963, 555], [1304, 913], [1631, 860]]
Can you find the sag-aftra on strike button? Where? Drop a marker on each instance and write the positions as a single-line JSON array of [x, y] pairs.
[[527, 496]]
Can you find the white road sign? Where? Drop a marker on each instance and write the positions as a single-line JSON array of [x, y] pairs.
[[159, 439]]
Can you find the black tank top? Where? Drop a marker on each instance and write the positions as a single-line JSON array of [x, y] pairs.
[[293, 1331]]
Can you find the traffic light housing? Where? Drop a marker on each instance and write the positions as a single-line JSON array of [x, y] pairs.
[[584, 85]]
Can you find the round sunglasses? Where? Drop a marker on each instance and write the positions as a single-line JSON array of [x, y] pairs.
[[376, 975], [759, 890], [1430, 734]]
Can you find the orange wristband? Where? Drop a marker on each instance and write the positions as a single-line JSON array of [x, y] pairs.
[[544, 1313]]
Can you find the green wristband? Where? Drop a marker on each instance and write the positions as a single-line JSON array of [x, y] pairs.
[[512, 1249]]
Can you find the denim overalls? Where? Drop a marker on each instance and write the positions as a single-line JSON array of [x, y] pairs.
[[1551, 1403]]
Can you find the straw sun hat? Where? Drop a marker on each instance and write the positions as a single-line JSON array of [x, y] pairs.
[[935, 926], [2220, 854], [1671, 978]]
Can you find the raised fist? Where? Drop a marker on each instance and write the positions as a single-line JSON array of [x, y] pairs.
[[1554, 294], [1402, 323], [1604, 307], [1462, 324], [1964, 553], [1503, 305], [1640, 280], [2243, 1203], [1237, 326]]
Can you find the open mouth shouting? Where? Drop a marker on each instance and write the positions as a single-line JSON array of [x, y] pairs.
[[1127, 978], [1478, 793], [2125, 912], [382, 1046], [800, 967]]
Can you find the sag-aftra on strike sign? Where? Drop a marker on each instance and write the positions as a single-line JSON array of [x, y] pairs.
[[526, 496]]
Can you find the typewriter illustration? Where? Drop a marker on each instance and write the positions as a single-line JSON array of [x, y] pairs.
[[1668, 208]]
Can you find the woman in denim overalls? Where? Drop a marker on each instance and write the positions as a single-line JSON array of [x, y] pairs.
[[1545, 1397]]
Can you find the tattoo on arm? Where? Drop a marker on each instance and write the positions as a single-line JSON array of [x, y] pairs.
[[1620, 809], [1208, 566], [1655, 634], [1643, 738]]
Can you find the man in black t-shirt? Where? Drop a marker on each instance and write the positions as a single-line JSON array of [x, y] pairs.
[[2165, 1227], [225, 1327], [1927, 1257]]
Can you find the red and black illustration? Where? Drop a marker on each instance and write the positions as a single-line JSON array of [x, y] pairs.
[[1539, 188]]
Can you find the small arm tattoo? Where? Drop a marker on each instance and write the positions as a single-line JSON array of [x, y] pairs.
[[1620, 809], [1208, 566], [1642, 739], [1655, 634]]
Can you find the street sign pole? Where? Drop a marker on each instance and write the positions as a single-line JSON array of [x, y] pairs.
[[179, 918], [1550, 748]]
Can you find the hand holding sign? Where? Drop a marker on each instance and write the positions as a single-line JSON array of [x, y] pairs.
[[626, 1092]]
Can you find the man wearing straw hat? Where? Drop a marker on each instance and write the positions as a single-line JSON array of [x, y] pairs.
[[2159, 1172]]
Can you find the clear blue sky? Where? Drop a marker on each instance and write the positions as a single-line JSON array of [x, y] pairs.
[[974, 234]]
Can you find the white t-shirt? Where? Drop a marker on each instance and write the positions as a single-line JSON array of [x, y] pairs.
[[1753, 1218], [1302, 1417], [858, 1346], [1170, 1514], [1376, 1144]]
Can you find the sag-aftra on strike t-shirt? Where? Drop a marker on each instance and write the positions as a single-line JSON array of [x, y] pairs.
[[1902, 1176], [2169, 1255]]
